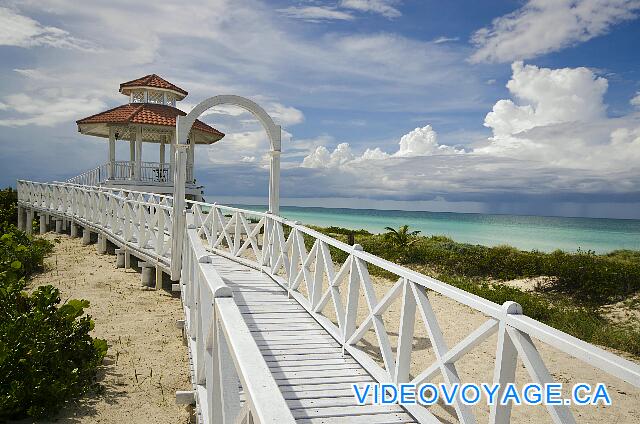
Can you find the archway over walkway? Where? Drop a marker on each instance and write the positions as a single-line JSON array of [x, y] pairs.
[[183, 126]]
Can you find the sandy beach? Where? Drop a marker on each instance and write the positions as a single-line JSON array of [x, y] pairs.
[[146, 362]]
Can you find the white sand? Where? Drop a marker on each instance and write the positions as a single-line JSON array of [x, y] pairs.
[[139, 327], [146, 362]]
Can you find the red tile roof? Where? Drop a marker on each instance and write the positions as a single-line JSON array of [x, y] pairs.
[[152, 80], [145, 113]]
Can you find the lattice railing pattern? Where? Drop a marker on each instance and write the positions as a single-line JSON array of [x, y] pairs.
[[301, 260], [150, 172], [140, 219]]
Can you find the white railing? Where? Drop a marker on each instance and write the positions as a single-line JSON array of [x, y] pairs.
[[92, 177], [140, 220], [332, 296], [150, 172], [223, 352]]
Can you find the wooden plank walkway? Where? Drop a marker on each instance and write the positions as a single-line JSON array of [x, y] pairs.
[[314, 376]]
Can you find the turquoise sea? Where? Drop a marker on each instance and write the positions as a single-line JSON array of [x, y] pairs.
[[543, 233]]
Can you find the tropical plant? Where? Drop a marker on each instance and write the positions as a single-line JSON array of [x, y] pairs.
[[46, 353], [401, 237]]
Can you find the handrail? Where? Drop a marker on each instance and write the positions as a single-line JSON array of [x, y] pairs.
[[290, 262]]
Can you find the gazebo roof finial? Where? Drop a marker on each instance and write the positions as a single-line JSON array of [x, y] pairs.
[[152, 82]]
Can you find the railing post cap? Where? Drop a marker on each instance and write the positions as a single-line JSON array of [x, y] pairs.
[[512, 308], [357, 247]]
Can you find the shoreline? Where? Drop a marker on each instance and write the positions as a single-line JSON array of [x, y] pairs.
[[524, 232]]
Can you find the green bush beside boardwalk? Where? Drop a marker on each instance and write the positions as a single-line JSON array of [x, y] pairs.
[[579, 285], [46, 354]]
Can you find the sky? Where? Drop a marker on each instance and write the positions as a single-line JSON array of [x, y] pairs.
[[523, 107]]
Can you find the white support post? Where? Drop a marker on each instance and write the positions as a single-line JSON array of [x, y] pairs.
[[274, 174], [21, 218], [132, 157], [138, 166], [172, 156], [190, 157], [179, 178], [112, 152], [506, 362], [162, 152], [43, 223], [29, 222]]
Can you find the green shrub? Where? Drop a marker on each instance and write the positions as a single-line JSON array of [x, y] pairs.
[[15, 245], [8, 207], [46, 353], [587, 277]]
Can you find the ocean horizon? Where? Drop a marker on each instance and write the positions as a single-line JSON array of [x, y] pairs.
[[526, 232]]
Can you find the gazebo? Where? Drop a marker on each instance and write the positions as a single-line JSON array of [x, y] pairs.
[[149, 117]]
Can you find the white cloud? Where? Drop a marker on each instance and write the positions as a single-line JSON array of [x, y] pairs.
[[46, 110], [382, 7], [419, 142], [546, 97], [560, 121], [241, 48], [284, 115], [441, 40], [281, 114], [635, 101], [316, 13], [552, 138], [321, 157], [249, 159], [422, 142], [21, 31], [544, 26]]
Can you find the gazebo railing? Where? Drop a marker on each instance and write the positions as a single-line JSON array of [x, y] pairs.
[[92, 177], [150, 172]]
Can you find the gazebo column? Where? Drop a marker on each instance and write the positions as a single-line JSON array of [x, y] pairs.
[[162, 159], [190, 157], [172, 157], [132, 158], [112, 153], [138, 164]]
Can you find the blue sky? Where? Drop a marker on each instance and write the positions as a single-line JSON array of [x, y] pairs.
[[528, 107]]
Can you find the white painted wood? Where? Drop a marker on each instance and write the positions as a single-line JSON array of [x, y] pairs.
[[112, 152], [505, 367]]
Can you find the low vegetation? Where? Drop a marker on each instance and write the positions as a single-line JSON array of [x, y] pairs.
[[577, 286], [47, 356]]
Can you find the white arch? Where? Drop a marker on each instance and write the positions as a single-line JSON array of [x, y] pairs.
[[273, 131], [183, 126]]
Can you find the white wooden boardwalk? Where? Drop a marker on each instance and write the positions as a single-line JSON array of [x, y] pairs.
[[254, 288], [309, 366]]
